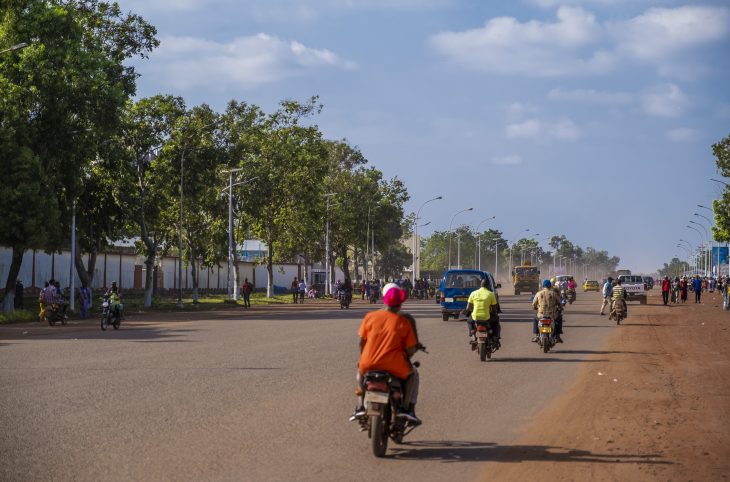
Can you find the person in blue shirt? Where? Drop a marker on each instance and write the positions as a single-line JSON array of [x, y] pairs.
[[697, 286]]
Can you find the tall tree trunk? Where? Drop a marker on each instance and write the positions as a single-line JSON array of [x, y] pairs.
[[270, 263], [86, 274], [345, 263], [15, 263], [364, 265], [194, 272], [355, 261], [149, 262]]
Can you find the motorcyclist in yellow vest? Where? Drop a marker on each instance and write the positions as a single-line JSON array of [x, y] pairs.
[[482, 306]]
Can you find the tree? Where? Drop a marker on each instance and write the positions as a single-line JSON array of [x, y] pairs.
[[148, 125], [59, 96], [721, 207], [290, 165], [674, 268]]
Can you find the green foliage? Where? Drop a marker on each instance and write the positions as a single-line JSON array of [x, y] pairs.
[[675, 267], [721, 207]]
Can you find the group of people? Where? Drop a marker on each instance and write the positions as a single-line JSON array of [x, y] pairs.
[[52, 297], [298, 290], [613, 293], [676, 290]]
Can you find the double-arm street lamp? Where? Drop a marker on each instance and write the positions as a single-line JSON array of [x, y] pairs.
[[703, 259], [416, 243], [451, 224], [479, 241]]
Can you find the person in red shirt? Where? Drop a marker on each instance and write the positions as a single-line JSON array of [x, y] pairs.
[[666, 288], [387, 341]]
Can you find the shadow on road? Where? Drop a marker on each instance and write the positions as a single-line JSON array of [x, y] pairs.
[[600, 352], [545, 359], [125, 333], [459, 451]]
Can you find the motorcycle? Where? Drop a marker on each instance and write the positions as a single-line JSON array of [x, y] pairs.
[[486, 342], [618, 312], [345, 298], [547, 338], [374, 296], [571, 295], [383, 396], [55, 313], [109, 316]]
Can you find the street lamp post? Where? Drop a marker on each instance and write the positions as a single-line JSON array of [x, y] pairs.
[[711, 240], [328, 278], [707, 259], [450, 226], [416, 243], [704, 267], [479, 240], [511, 245], [232, 288]]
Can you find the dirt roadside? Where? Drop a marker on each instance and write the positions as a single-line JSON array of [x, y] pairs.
[[657, 409]]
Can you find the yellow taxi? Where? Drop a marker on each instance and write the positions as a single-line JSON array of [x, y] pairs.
[[590, 286]]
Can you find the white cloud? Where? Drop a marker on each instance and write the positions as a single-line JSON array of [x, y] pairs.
[[663, 32], [555, 3], [512, 160], [664, 101], [186, 62], [576, 43], [533, 48], [590, 96], [536, 129], [516, 110], [682, 134], [529, 129]]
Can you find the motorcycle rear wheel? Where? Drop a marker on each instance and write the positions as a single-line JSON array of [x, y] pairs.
[[104, 323], [546, 346], [483, 351], [378, 436]]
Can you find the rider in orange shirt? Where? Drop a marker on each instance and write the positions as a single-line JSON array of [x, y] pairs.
[[387, 341]]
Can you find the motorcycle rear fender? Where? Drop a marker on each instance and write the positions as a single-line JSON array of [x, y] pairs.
[[374, 408]]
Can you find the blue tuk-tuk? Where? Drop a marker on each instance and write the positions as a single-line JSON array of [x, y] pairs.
[[457, 285]]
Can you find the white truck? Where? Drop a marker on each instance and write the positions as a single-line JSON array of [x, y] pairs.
[[635, 287]]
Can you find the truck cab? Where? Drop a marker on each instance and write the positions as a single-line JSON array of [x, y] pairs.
[[635, 288], [457, 285]]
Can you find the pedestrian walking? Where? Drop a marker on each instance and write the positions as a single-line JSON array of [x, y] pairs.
[[683, 287], [295, 290], [246, 290], [697, 285], [666, 287], [607, 293], [302, 291]]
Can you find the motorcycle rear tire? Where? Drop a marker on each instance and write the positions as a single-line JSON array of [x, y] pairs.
[[483, 351], [546, 346], [378, 436], [104, 323]]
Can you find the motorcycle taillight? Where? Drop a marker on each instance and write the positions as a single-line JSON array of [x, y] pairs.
[[377, 387], [546, 321], [481, 328]]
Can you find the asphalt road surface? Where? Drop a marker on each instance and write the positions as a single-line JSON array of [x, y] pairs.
[[265, 395]]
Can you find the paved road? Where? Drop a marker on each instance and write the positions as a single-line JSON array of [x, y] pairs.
[[265, 395]]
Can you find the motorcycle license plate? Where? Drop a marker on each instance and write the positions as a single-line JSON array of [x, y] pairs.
[[376, 397], [482, 334], [546, 329]]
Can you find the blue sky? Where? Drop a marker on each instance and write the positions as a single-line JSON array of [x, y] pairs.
[[550, 115]]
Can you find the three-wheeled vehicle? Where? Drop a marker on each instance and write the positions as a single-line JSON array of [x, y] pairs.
[[457, 285]]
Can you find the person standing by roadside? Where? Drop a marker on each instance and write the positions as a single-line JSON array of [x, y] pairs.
[[295, 290], [666, 287], [42, 302], [84, 301], [302, 290], [697, 285], [246, 289], [607, 291]]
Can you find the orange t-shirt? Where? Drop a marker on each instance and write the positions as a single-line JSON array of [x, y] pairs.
[[386, 335]]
